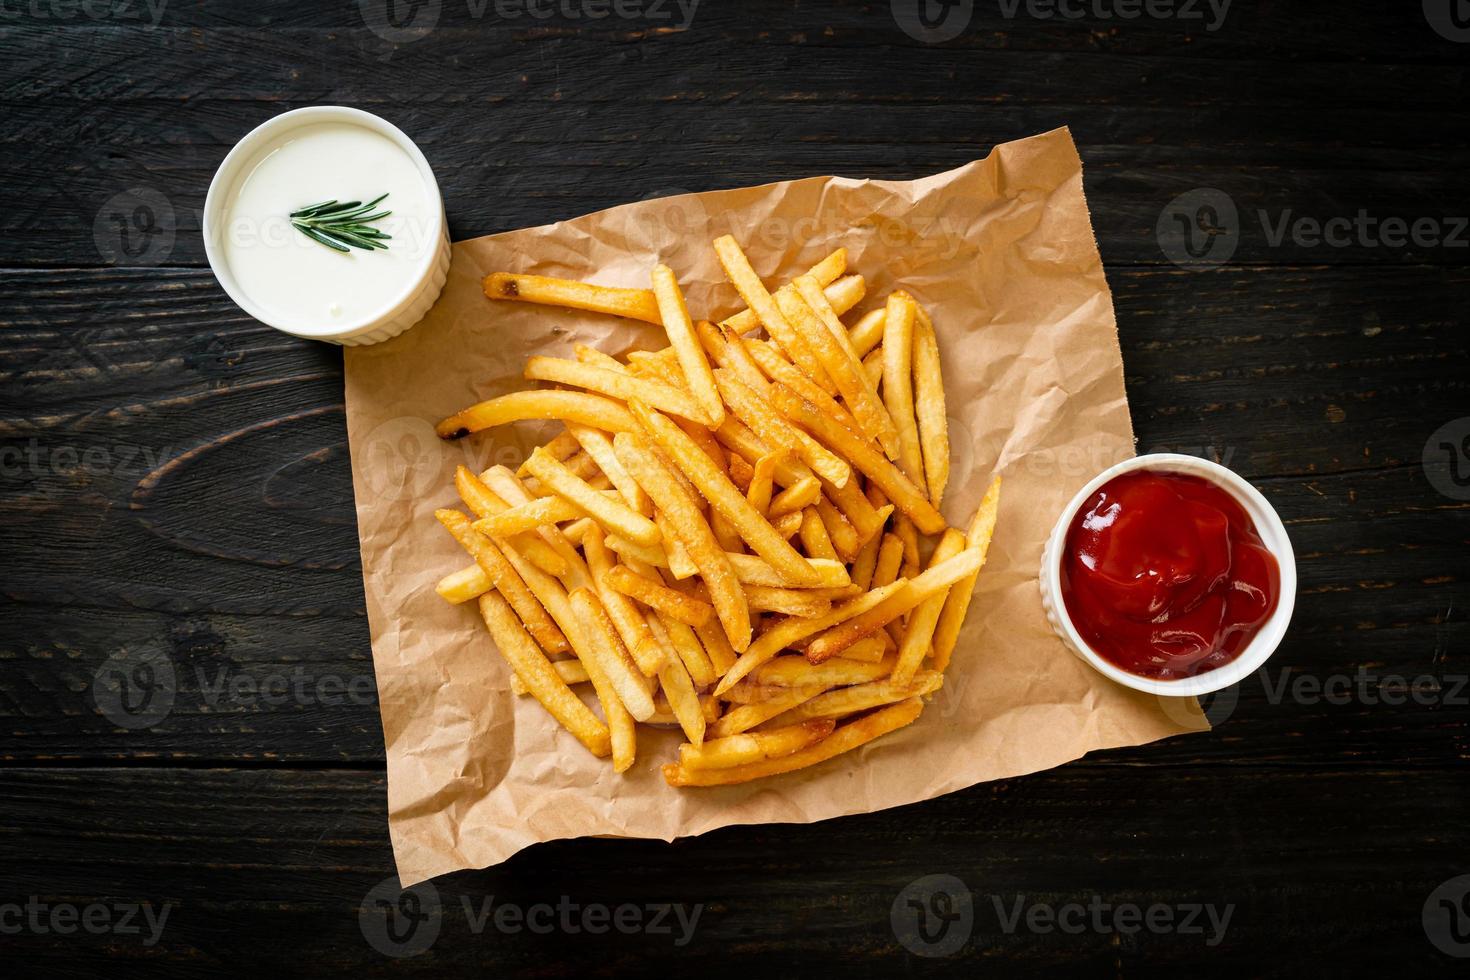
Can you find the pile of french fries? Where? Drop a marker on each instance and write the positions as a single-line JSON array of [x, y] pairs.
[[729, 535]]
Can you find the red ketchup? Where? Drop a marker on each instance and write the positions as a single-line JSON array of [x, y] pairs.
[[1165, 576]]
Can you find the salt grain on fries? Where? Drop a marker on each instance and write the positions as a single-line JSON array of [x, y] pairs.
[[726, 537]]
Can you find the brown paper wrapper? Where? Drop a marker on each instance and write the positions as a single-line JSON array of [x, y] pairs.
[[1001, 252]]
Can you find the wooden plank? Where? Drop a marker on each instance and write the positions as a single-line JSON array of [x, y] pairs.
[[1158, 109], [238, 855]]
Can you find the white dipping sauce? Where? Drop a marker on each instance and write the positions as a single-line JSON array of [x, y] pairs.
[[302, 282]]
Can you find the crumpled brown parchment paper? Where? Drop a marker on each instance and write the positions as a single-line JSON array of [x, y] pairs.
[[1002, 254]]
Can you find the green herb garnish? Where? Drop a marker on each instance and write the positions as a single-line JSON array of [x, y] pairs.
[[342, 225]]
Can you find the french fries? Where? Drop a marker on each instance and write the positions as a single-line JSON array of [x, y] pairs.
[[898, 382], [725, 540], [535, 671], [929, 408], [518, 406], [680, 329], [636, 304]]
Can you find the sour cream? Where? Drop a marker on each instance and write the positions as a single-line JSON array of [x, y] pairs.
[[294, 283]]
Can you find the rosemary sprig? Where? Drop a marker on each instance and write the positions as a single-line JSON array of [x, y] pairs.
[[342, 225]]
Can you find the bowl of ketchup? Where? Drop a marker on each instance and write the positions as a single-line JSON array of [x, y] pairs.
[[1170, 574]]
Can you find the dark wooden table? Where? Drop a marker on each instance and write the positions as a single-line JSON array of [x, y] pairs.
[[175, 482]]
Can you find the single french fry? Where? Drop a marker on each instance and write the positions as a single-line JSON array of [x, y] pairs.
[[518, 406], [562, 446], [845, 369], [683, 699], [807, 603], [655, 556], [866, 517], [580, 463], [486, 502], [599, 447], [722, 655], [870, 649], [867, 333], [596, 358], [505, 578], [796, 498], [615, 384], [694, 532], [626, 617], [681, 638], [577, 530], [680, 328], [762, 481], [890, 557], [722, 495], [873, 366], [825, 272], [739, 750], [860, 697], [536, 672], [982, 528], [740, 273], [898, 384], [528, 517], [744, 717], [741, 473], [844, 738], [901, 490], [918, 632], [814, 539], [787, 525], [796, 671], [909, 594], [754, 570], [679, 561], [840, 532], [909, 535], [612, 514], [846, 293], [608, 655], [635, 304], [866, 562], [929, 407], [792, 630], [725, 532], [571, 672], [684, 608], [462, 586]]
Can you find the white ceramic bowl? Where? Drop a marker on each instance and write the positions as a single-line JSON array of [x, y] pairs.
[[1268, 526], [417, 295]]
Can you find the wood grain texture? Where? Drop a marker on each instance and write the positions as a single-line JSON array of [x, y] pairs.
[[174, 479], [240, 856]]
